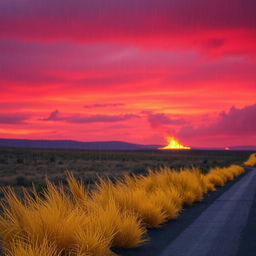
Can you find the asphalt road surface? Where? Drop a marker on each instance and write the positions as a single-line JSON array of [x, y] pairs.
[[217, 231], [217, 226]]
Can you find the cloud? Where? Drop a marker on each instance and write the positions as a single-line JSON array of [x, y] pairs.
[[54, 116], [104, 105], [33, 68], [145, 22], [215, 42], [235, 122], [160, 119], [12, 118], [78, 118], [99, 118]]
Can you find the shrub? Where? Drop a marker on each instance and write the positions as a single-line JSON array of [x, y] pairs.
[[219, 176], [125, 228], [22, 181], [20, 161], [23, 248], [251, 160]]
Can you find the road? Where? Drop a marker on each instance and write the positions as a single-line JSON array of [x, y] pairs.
[[217, 231], [214, 227]]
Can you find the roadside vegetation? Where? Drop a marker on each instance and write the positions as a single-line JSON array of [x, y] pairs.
[[251, 160], [75, 221]]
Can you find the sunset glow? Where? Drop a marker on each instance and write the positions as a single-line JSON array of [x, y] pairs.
[[109, 70], [174, 144]]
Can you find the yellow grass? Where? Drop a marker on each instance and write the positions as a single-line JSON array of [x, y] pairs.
[[219, 176], [79, 222], [123, 229], [135, 201], [251, 160], [41, 248]]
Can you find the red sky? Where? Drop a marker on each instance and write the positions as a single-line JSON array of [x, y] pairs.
[[129, 70]]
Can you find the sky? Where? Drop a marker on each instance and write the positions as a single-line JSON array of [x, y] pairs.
[[134, 71]]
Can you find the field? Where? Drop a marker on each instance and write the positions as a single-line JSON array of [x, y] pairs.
[[21, 167]]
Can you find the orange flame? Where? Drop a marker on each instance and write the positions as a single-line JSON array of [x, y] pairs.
[[174, 144]]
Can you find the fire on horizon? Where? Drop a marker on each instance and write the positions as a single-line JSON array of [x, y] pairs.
[[174, 144]]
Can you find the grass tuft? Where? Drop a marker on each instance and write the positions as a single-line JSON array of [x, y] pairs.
[[251, 160]]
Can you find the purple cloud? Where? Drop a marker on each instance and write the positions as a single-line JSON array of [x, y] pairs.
[[215, 42], [235, 122], [159, 119], [105, 19], [54, 116], [99, 118], [77, 118], [104, 105], [12, 118]]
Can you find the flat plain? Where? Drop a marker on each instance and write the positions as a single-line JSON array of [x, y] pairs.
[[21, 167]]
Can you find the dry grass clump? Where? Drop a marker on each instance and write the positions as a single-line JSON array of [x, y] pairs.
[[251, 160], [53, 217], [41, 248], [133, 200], [219, 176], [75, 221], [124, 228]]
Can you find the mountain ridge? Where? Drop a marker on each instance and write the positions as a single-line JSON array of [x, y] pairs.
[[73, 144]]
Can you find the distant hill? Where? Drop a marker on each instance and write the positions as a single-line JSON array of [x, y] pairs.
[[249, 148], [71, 144], [234, 148], [96, 145]]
